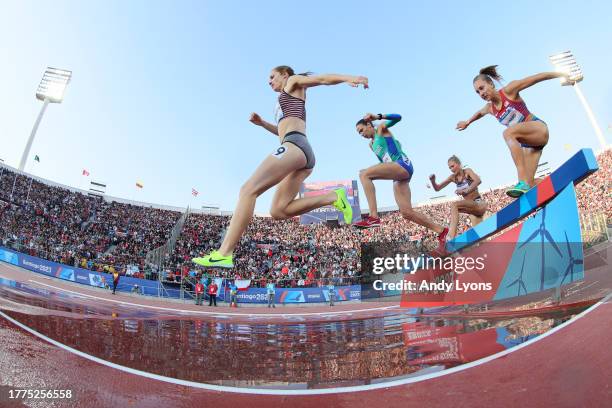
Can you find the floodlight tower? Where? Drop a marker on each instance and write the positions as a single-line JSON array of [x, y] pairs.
[[566, 63], [50, 90]]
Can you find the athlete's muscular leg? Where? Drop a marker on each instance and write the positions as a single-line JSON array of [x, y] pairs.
[[533, 133], [401, 190], [287, 159], [382, 171], [471, 207], [284, 203], [532, 159]]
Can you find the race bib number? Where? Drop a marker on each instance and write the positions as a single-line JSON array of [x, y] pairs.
[[511, 117], [280, 152]]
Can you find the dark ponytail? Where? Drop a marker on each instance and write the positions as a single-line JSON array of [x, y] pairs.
[[488, 74], [286, 69]]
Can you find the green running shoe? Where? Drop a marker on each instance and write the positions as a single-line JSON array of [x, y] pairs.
[[344, 206], [518, 190], [215, 260]]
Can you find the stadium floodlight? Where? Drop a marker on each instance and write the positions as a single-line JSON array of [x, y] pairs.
[[566, 63], [53, 85], [50, 90]]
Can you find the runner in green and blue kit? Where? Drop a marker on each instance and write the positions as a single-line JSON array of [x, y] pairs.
[[394, 165]]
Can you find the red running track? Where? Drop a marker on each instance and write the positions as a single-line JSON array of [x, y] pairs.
[[570, 367]]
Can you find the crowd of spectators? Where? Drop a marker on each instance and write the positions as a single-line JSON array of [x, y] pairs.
[[73, 228], [48, 221], [69, 227], [594, 194], [133, 231]]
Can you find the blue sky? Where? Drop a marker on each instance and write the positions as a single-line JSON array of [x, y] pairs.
[[162, 91]]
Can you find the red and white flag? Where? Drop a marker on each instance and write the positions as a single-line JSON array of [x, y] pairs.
[[242, 284], [85, 172], [194, 192]]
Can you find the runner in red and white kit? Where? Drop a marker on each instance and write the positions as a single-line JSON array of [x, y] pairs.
[[526, 135]]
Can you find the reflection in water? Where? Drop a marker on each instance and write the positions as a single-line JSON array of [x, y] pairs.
[[295, 355]]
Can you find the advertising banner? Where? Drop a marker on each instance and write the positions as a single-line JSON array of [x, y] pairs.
[[150, 287]]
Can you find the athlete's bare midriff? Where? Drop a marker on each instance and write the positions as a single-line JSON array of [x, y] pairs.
[[290, 124], [470, 196]]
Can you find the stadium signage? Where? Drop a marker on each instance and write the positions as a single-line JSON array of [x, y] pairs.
[[149, 287], [36, 267]]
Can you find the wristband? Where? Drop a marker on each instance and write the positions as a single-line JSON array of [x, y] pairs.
[[380, 116]]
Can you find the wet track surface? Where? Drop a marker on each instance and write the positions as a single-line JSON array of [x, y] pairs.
[[278, 355]]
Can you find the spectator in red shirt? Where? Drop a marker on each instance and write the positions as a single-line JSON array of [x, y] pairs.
[[199, 290], [212, 292]]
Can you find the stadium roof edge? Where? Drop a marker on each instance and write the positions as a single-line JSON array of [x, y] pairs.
[[110, 198]]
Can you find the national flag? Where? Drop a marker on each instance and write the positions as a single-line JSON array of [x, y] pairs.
[[36, 158], [194, 192], [242, 284], [139, 184], [85, 173]]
